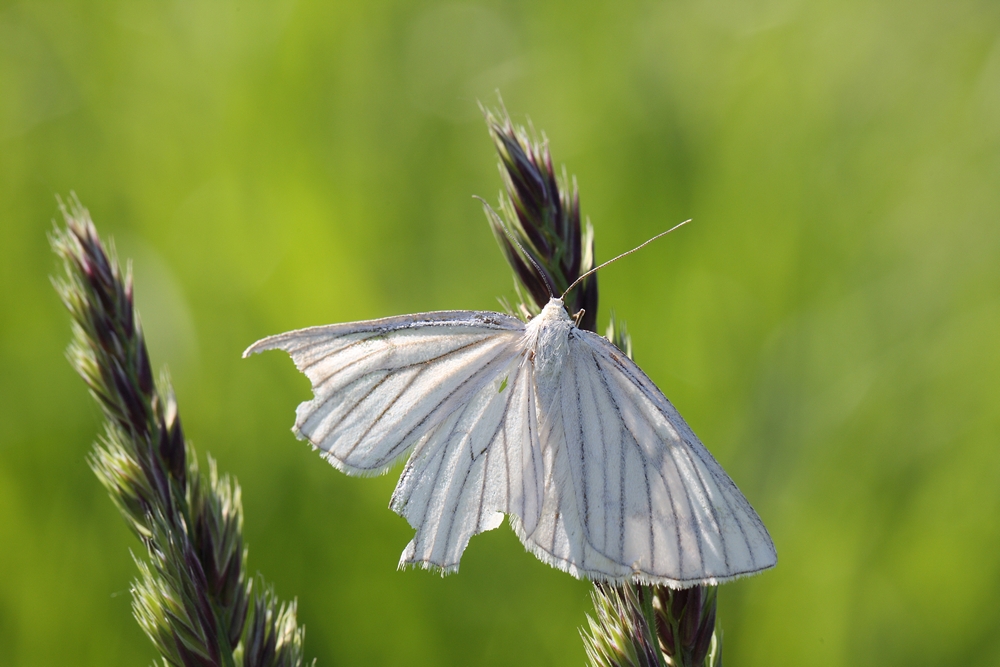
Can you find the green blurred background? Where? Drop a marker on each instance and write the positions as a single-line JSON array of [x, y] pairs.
[[829, 324]]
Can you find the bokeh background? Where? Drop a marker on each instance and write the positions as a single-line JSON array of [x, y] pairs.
[[829, 324]]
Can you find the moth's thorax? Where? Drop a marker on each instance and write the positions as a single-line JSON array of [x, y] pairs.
[[548, 338]]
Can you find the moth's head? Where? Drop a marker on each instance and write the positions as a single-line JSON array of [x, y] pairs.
[[553, 311], [555, 303], [546, 333]]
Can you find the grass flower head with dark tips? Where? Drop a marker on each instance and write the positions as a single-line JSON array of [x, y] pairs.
[[193, 598]]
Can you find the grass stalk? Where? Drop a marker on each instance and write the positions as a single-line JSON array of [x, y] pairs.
[[192, 598]]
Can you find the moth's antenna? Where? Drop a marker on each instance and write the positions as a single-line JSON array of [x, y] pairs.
[[638, 247], [524, 252]]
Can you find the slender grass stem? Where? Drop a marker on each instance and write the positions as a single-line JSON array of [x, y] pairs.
[[192, 598]]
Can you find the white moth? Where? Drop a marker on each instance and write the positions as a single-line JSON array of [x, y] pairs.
[[542, 421]]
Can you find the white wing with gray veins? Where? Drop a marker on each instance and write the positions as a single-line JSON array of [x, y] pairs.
[[456, 389], [633, 493]]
